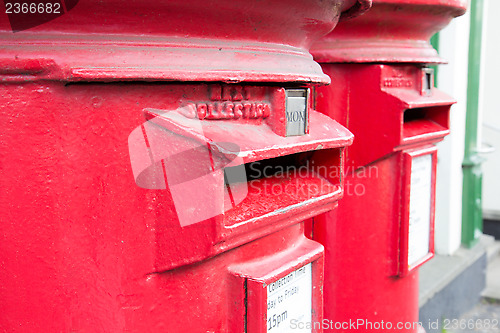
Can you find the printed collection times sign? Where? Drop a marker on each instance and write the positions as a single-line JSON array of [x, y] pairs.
[[290, 298]]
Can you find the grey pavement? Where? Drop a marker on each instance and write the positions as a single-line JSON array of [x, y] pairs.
[[485, 316]]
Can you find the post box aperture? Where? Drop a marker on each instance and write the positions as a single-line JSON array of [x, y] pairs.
[[230, 164]]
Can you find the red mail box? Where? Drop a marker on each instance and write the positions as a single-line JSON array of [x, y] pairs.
[[383, 91], [158, 162]]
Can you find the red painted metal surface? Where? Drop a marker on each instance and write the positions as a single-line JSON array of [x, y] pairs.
[[391, 107], [85, 248], [395, 31], [361, 239], [396, 115], [366, 248], [196, 40], [261, 209], [96, 103], [390, 117]]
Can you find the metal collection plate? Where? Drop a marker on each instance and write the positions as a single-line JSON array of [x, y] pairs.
[[296, 112], [427, 81]]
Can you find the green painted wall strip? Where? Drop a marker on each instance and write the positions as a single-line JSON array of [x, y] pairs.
[[472, 222], [435, 45]]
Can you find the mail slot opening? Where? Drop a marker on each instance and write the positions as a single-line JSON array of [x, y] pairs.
[[281, 182], [428, 120]]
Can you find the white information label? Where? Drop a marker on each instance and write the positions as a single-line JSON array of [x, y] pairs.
[[289, 302], [420, 208]]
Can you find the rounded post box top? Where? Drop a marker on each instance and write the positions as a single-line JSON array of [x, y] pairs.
[[391, 31], [195, 40]]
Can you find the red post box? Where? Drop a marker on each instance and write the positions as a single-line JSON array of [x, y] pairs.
[[158, 161], [382, 231]]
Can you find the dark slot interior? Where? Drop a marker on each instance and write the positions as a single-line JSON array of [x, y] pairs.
[[266, 168], [324, 163], [414, 114], [428, 81], [436, 114]]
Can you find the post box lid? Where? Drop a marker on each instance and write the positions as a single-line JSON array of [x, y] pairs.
[[395, 31], [227, 41], [250, 142]]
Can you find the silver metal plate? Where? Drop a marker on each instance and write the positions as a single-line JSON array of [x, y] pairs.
[[427, 81], [296, 112]]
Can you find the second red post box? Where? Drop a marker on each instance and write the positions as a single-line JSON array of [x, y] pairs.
[[382, 231]]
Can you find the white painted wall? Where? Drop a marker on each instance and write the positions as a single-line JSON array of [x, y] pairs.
[[452, 79], [491, 110]]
